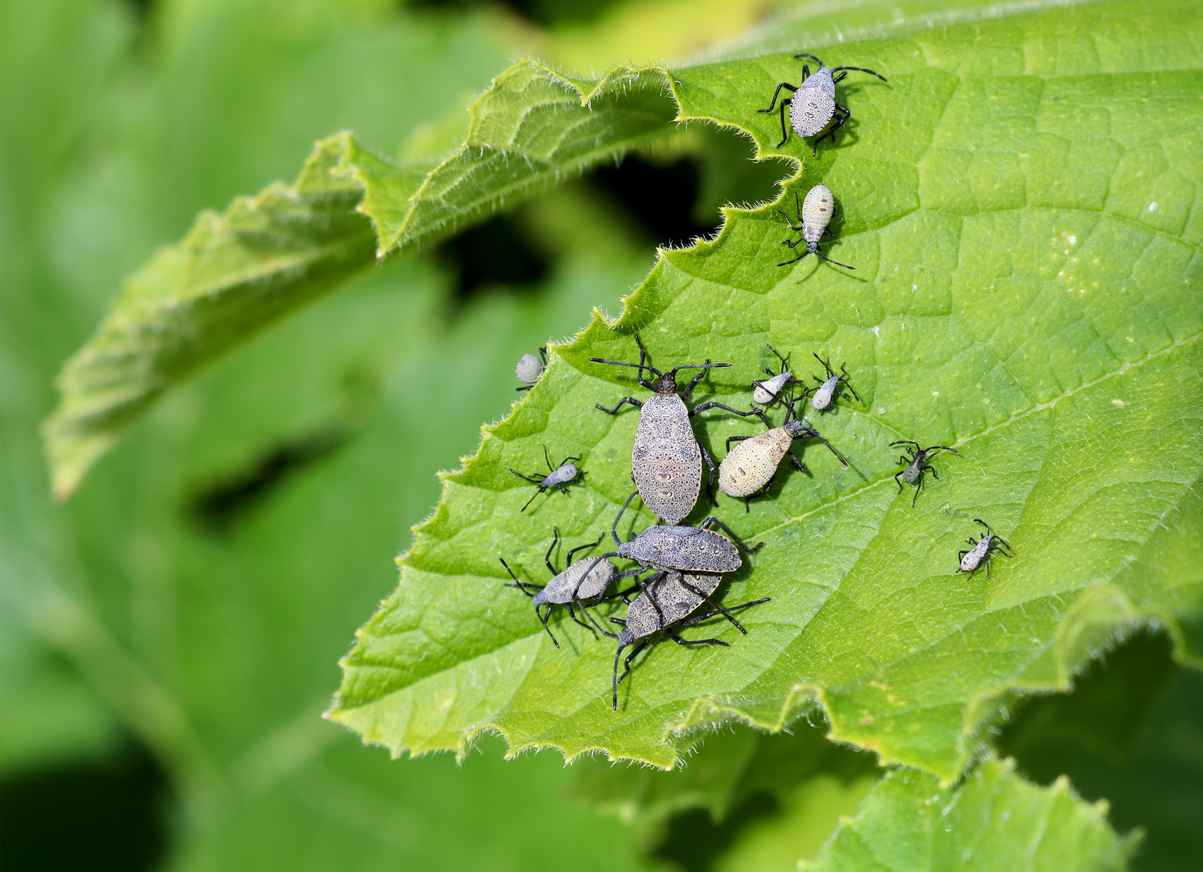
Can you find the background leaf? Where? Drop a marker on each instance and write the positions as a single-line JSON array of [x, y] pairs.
[[1022, 292], [994, 820], [236, 273]]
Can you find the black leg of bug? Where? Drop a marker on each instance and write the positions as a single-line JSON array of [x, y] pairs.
[[784, 103], [713, 404], [627, 664], [614, 529], [582, 547], [715, 522], [710, 481], [699, 618], [634, 402], [724, 612], [731, 439], [841, 114], [798, 210], [693, 383], [555, 538], [572, 614], [672, 634]]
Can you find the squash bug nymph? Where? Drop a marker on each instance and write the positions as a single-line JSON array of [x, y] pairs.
[[748, 470], [666, 459], [813, 105], [829, 388], [560, 475], [585, 580], [813, 217], [529, 369], [917, 464], [766, 391], [989, 544]]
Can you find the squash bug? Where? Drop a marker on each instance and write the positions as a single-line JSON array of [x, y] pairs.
[[585, 580], [665, 601], [990, 543], [766, 391], [830, 388], [560, 475], [813, 217], [813, 105], [917, 464], [529, 369], [685, 549], [748, 470], [666, 460]]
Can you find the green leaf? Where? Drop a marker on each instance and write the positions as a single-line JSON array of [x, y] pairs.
[[237, 272], [1019, 203], [1130, 733], [723, 771], [993, 820]]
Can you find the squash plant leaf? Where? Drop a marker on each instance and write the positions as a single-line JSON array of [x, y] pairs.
[[994, 819], [1020, 203], [237, 272]]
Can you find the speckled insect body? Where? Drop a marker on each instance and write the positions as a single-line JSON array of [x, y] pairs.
[[666, 459], [748, 469], [529, 369], [917, 465], [813, 104], [665, 601], [587, 580], [813, 215], [560, 475], [982, 550], [829, 387], [682, 548], [766, 391]]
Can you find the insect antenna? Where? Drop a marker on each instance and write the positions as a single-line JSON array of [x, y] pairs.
[[521, 585], [857, 69], [829, 260]]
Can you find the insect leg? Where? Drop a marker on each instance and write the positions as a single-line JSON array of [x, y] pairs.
[[918, 487], [572, 614], [531, 479], [798, 229], [673, 635], [896, 479], [614, 529], [798, 463], [719, 609], [784, 132], [731, 439], [547, 557], [713, 521], [543, 619], [698, 619], [714, 404], [634, 402], [841, 114], [785, 85], [627, 664], [932, 470], [710, 481], [583, 547]]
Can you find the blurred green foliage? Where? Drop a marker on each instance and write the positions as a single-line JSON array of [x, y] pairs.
[[193, 597]]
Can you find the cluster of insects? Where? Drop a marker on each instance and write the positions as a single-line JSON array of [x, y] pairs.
[[678, 567]]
